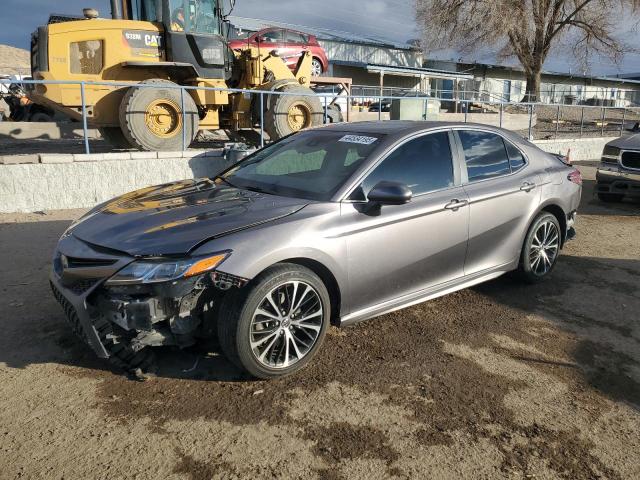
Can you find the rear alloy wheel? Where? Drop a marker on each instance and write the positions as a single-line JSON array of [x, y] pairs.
[[541, 247], [151, 117], [275, 327], [610, 197], [316, 68]]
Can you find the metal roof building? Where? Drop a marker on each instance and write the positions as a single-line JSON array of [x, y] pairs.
[[365, 59], [343, 46]]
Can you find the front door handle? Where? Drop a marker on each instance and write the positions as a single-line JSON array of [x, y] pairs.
[[527, 186], [455, 204]]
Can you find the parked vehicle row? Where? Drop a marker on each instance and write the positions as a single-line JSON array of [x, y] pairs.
[[335, 224]]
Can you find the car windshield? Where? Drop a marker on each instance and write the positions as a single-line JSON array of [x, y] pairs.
[[311, 165]]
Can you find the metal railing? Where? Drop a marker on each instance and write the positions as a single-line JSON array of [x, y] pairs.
[[545, 121], [365, 92]]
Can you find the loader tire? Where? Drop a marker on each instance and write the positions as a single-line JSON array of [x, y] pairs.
[[114, 136], [151, 117], [291, 113]]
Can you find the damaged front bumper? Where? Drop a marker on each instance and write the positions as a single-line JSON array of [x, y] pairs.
[[138, 315]]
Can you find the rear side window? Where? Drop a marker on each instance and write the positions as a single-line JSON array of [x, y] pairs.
[[484, 154], [294, 37], [516, 159], [423, 164]]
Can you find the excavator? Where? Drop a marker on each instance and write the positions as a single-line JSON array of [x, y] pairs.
[[149, 47]]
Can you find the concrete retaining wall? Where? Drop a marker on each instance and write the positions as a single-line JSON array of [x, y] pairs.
[[54, 182], [52, 186], [510, 121], [581, 148]]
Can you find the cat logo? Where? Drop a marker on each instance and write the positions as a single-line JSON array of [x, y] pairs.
[[153, 40], [139, 40]]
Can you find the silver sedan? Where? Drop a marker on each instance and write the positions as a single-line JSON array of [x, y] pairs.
[[336, 224]]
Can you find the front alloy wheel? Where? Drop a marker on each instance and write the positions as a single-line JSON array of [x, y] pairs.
[[286, 324], [273, 326]]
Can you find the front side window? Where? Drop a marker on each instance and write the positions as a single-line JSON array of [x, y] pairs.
[[424, 164], [271, 36], [484, 154], [194, 16], [311, 165]]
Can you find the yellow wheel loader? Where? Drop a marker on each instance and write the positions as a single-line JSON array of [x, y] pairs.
[[151, 46]]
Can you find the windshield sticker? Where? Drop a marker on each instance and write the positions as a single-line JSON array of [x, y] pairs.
[[358, 139]]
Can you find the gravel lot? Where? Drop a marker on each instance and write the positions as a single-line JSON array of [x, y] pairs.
[[499, 381]]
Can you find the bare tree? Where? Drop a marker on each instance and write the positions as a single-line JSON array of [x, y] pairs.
[[526, 29]]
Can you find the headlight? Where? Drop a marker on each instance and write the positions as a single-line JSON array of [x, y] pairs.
[[150, 271], [610, 154]]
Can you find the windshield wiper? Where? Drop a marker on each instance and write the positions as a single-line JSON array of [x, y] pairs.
[[256, 189], [225, 181]]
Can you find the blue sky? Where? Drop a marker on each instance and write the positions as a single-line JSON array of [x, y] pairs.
[[392, 19]]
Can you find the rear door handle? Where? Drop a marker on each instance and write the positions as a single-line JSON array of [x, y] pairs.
[[455, 204], [527, 186]]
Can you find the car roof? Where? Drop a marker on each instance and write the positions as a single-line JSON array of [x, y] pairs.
[[403, 127]]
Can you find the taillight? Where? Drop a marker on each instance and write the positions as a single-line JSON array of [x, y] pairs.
[[575, 176]]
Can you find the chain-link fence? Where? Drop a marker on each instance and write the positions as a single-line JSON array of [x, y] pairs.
[[532, 120]]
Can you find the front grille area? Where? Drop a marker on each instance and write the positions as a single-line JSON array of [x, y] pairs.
[[81, 286], [75, 262], [631, 160], [69, 311]]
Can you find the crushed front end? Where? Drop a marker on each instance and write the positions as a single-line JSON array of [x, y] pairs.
[[120, 315]]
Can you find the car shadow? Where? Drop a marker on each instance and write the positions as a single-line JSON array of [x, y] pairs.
[[600, 354]]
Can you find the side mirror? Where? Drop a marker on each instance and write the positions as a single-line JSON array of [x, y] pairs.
[[389, 193]]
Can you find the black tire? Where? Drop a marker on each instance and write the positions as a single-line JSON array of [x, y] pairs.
[[114, 136], [134, 107], [41, 117], [610, 197], [276, 122], [526, 269], [334, 115], [234, 322]]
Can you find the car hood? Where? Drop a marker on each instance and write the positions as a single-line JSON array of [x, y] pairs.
[[631, 142], [174, 218]]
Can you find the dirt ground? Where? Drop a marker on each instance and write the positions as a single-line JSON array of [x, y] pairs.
[[499, 381]]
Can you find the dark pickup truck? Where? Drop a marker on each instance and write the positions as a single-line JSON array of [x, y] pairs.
[[618, 175]]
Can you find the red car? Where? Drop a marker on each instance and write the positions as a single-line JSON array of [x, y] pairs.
[[289, 44]]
